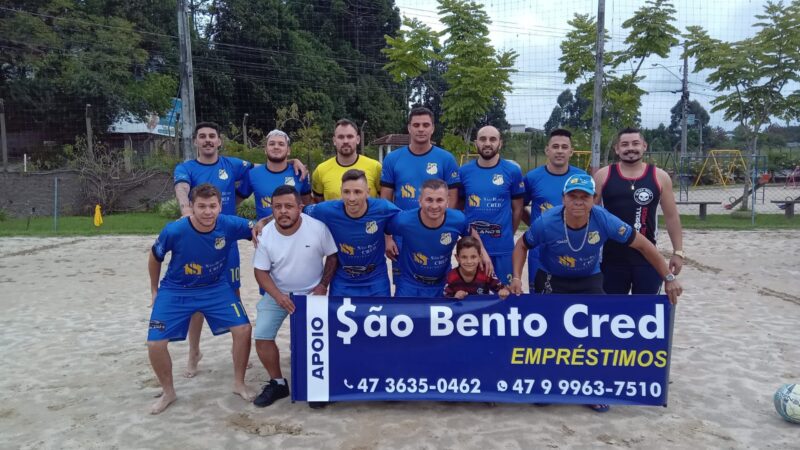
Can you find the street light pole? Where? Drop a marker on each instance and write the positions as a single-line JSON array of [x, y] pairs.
[[685, 101]]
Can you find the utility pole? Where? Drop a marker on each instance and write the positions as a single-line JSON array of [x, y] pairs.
[[3, 143], [597, 108], [684, 101], [89, 134], [187, 81], [245, 141]]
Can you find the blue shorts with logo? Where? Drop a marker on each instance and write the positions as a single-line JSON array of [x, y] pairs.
[[173, 309], [503, 268], [374, 288], [405, 289]]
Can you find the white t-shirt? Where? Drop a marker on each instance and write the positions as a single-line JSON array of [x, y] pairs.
[[294, 262]]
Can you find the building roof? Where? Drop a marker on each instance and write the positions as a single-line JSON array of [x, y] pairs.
[[392, 139]]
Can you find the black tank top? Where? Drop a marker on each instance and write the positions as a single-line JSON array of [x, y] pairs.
[[635, 201]]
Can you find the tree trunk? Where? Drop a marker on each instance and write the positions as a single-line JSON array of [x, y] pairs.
[[748, 182]]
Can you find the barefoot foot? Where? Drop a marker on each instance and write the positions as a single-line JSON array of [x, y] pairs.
[[191, 366], [162, 403], [245, 392]]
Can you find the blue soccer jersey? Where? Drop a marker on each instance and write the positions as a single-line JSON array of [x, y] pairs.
[[262, 182], [198, 259], [425, 255], [554, 239], [405, 172], [543, 189], [487, 193], [360, 241], [226, 174]]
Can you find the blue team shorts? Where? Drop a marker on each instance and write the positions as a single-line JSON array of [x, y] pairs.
[[378, 287], [405, 289], [231, 274], [173, 309], [503, 268], [269, 319], [533, 267]]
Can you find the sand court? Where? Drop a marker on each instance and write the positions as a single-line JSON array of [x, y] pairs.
[[75, 372]]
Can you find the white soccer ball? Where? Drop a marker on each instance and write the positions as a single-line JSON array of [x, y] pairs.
[[787, 402]]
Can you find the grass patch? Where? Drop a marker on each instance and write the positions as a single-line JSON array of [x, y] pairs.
[[130, 223]]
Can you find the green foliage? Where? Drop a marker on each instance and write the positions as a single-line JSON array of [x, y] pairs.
[[3, 215], [651, 33], [475, 75], [753, 75], [169, 209], [456, 145], [247, 208]]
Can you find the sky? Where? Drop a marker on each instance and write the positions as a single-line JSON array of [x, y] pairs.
[[535, 29]]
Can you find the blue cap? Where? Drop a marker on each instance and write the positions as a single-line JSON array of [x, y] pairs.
[[581, 182]]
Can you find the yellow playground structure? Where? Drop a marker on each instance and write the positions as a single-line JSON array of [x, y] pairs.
[[722, 165]]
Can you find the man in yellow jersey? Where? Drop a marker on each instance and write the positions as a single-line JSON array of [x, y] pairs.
[[326, 181]]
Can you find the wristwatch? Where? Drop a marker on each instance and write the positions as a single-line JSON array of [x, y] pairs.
[[670, 277], [679, 253]]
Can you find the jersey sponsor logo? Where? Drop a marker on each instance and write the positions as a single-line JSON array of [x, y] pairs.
[[474, 200], [289, 181], [420, 258], [454, 175], [497, 179], [622, 230], [427, 280], [567, 261], [445, 239], [266, 202], [643, 196], [485, 228], [347, 249], [355, 271], [219, 243], [372, 227], [432, 169], [223, 174], [594, 237], [192, 269], [522, 185], [545, 206], [408, 191]]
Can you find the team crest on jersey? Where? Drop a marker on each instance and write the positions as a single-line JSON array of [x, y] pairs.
[[497, 179], [445, 239], [266, 202], [643, 196], [622, 231], [432, 169], [289, 181], [219, 243], [594, 237], [408, 191], [567, 261], [421, 259], [347, 249], [223, 175], [372, 227], [474, 200]]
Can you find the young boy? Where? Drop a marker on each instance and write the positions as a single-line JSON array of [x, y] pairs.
[[467, 278]]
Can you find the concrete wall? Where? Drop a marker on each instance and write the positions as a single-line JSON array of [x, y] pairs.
[[27, 193]]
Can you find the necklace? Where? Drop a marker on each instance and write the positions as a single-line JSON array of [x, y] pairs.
[[585, 234]]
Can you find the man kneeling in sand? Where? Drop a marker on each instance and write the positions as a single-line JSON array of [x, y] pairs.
[[194, 282]]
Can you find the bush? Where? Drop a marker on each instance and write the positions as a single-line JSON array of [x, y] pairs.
[[3, 215], [247, 208], [169, 209]]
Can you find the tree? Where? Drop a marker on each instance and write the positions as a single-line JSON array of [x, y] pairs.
[[651, 33], [571, 111], [60, 55], [754, 76], [476, 75], [694, 131]]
